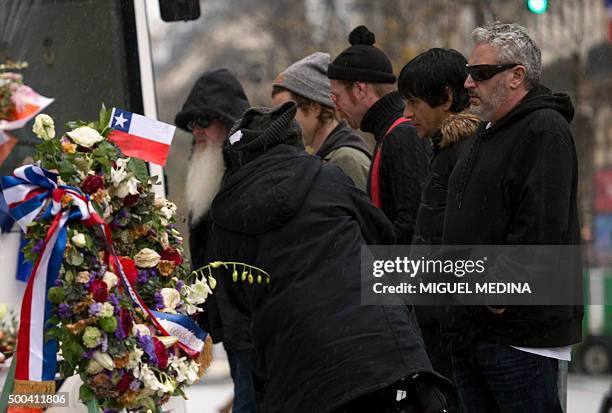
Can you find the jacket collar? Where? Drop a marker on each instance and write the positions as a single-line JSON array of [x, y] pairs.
[[382, 114]]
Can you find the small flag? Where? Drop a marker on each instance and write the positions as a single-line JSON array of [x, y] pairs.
[[141, 137]]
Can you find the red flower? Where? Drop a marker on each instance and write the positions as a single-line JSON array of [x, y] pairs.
[[129, 268], [125, 381], [130, 199], [126, 321], [171, 254], [161, 353], [92, 183], [99, 289]]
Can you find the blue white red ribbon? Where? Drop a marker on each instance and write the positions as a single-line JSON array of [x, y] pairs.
[[33, 191]]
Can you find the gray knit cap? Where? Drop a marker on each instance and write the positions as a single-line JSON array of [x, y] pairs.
[[308, 78]]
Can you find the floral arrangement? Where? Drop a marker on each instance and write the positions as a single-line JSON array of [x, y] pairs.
[[14, 95], [103, 335]]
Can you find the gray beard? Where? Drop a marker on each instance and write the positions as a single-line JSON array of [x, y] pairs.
[[487, 108], [204, 177]]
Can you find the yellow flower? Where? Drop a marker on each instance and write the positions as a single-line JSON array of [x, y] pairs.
[[165, 267], [68, 147]]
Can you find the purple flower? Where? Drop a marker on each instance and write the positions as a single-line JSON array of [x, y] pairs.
[[89, 354], [95, 308], [143, 276], [105, 343], [135, 385], [64, 310], [112, 298], [58, 282], [149, 347], [153, 272], [119, 335], [38, 247], [179, 284], [159, 301]]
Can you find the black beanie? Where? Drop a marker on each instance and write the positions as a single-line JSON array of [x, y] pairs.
[[362, 62], [260, 129], [216, 94]]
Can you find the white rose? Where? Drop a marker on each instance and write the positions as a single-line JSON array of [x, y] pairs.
[[141, 329], [128, 187], [110, 279], [82, 277], [85, 136], [171, 298], [104, 360], [93, 367], [117, 176], [44, 127], [158, 203], [146, 258], [78, 239]]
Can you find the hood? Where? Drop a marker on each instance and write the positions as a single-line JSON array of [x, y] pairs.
[[266, 192], [341, 136], [457, 127], [540, 97], [217, 91]]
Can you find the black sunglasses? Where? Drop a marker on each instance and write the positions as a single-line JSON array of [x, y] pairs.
[[485, 72], [200, 122]]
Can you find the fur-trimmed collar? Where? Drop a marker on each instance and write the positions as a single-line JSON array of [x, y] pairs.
[[458, 126]]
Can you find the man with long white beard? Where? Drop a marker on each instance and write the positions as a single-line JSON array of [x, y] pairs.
[[215, 102]]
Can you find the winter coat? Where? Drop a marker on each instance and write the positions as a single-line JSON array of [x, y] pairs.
[[403, 164], [314, 346], [447, 146], [516, 184], [347, 150]]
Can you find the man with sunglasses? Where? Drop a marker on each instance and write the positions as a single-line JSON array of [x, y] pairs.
[[215, 102], [515, 184]]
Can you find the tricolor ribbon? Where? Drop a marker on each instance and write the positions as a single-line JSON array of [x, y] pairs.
[[31, 191]]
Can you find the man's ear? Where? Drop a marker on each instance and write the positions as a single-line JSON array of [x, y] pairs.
[[517, 76], [361, 88], [449, 100]]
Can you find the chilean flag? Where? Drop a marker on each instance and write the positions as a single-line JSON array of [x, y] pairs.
[[141, 137]]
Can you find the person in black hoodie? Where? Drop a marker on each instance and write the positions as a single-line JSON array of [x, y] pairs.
[[363, 90], [515, 184], [215, 102], [306, 83], [315, 348], [432, 85]]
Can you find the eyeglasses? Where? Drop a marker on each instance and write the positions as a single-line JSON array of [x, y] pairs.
[[484, 72], [200, 122]]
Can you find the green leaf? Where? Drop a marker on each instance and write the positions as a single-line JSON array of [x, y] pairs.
[[139, 168], [66, 169]]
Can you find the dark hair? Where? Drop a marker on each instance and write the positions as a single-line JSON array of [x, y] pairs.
[[429, 75], [326, 115]]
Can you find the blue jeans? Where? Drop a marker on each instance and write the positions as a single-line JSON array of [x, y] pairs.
[[244, 394], [496, 378]]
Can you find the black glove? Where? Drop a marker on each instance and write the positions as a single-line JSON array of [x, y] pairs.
[[423, 396]]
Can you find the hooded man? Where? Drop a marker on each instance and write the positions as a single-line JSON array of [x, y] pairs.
[[215, 102], [315, 348], [515, 184]]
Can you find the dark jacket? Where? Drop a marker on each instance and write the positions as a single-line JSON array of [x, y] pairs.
[[315, 346], [347, 150], [516, 184], [403, 164], [448, 144]]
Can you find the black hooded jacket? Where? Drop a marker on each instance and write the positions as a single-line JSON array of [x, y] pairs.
[[314, 346], [403, 164], [516, 184]]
